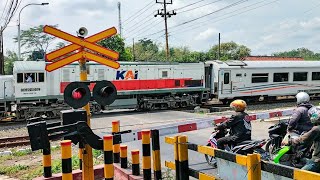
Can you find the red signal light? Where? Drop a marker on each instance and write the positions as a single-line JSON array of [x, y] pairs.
[[78, 93]]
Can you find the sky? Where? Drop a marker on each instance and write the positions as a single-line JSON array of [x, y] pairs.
[[265, 26]]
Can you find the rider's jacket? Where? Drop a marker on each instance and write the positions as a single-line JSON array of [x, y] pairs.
[[239, 124], [312, 136], [300, 120]]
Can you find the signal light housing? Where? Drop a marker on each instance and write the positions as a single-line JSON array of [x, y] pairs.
[[104, 93], [77, 94]]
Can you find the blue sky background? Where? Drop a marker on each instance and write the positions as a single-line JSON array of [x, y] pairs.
[[275, 25]]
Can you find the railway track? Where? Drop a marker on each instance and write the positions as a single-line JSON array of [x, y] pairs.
[[14, 141]]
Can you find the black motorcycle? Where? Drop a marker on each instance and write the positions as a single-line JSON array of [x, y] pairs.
[[244, 147], [276, 134]]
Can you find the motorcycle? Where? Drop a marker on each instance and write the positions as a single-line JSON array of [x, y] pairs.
[[244, 147], [276, 134], [291, 154]]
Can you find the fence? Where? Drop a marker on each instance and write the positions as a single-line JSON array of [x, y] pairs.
[[230, 165]]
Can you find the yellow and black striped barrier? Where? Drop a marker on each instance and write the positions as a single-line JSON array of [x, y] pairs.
[[123, 156], [66, 160], [156, 154], [135, 162], [116, 144], [146, 154], [183, 158], [46, 162], [108, 157]]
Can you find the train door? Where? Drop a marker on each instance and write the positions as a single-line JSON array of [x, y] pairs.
[[226, 82], [8, 89]]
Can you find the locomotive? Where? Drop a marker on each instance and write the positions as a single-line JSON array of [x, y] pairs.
[[32, 92]]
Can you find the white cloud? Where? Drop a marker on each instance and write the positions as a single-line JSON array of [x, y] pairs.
[[207, 34]]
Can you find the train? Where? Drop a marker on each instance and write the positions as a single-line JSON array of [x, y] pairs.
[[33, 92]]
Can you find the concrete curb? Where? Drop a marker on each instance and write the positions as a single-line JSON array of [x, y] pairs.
[[119, 174]]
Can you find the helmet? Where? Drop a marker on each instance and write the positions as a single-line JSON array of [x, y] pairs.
[[302, 97], [314, 114], [238, 105]]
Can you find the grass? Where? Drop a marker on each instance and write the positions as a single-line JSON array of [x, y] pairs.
[[10, 170]]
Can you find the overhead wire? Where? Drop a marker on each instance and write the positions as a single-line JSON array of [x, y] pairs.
[[189, 5], [187, 10], [138, 13], [136, 24], [4, 9], [145, 29]]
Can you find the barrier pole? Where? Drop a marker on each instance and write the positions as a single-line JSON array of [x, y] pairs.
[[123, 156], [46, 161], [183, 158], [146, 159], [176, 156], [116, 147], [135, 162], [108, 157], [66, 160], [254, 167], [156, 154]]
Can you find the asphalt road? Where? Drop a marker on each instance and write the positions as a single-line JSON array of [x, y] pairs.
[[149, 120]]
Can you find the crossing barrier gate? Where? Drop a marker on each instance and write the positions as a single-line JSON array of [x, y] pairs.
[[230, 165]]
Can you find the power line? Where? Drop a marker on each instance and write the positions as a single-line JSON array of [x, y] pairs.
[[4, 9], [145, 30], [140, 22], [137, 13], [198, 7], [189, 5]]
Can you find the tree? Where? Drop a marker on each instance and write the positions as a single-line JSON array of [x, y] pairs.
[[146, 50], [229, 51], [8, 62], [300, 52], [116, 43], [34, 39]]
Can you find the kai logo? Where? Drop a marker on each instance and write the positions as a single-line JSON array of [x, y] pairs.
[[127, 75]]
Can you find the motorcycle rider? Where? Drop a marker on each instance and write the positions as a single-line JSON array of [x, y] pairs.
[[239, 124], [300, 121], [312, 136]]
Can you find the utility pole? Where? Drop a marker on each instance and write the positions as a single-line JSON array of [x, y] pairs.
[[119, 9], [133, 49], [219, 48], [1, 52], [164, 13]]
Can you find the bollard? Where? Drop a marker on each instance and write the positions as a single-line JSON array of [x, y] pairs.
[[108, 157], [146, 159], [123, 156], [116, 146], [176, 156], [46, 162], [66, 160], [135, 162], [156, 154], [183, 158], [254, 166]]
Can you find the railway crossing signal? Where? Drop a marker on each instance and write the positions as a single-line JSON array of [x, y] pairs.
[[77, 94], [80, 44]]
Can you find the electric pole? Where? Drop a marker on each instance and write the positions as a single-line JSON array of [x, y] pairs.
[[164, 13], [119, 9], [133, 50], [1, 52], [219, 48]]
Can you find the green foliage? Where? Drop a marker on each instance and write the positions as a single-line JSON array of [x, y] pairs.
[[21, 153], [34, 39], [116, 43], [9, 170], [8, 62], [300, 52], [229, 51], [146, 50]]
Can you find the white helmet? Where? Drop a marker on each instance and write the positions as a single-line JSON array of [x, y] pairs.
[[302, 97]]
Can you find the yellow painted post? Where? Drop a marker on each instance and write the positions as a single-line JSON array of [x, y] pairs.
[[176, 156], [87, 166], [135, 162], [146, 154], [156, 154], [254, 167], [183, 158], [123, 156], [66, 160], [46, 162], [108, 157], [116, 146]]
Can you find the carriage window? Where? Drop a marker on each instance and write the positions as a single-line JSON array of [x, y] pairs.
[[41, 77], [30, 77], [164, 74], [300, 76], [20, 78], [315, 76], [280, 77], [259, 77], [226, 78]]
